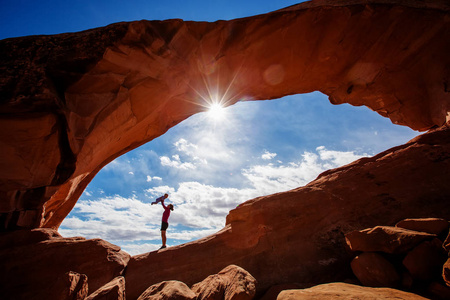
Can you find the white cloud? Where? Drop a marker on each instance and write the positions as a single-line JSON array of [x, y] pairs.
[[184, 146], [267, 155], [200, 209], [337, 158], [135, 249], [113, 218], [175, 162], [268, 179], [150, 178]]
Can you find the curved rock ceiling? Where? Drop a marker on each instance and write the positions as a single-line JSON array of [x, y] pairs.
[[71, 103]]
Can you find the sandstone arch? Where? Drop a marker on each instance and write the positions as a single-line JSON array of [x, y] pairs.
[[71, 103]]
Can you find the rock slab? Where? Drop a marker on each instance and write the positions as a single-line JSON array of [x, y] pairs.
[[31, 271], [336, 291]]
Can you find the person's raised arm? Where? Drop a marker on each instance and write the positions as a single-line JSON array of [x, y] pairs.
[[162, 203]]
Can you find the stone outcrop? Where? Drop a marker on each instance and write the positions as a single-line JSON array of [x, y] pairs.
[[336, 291], [299, 235], [386, 239], [428, 225], [446, 272], [173, 290], [71, 103], [232, 283], [113, 290], [71, 285], [426, 261], [74, 265], [373, 270], [416, 267]]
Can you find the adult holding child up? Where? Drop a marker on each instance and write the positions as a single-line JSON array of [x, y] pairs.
[[165, 221]]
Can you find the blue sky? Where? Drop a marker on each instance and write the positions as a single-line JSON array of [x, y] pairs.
[[208, 165]]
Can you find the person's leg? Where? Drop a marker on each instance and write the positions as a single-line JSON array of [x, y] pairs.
[[163, 237]]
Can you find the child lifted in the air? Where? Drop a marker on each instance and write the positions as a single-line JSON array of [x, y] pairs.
[[162, 198]]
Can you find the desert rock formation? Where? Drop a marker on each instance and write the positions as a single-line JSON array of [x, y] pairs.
[[50, 265], [299, 235], [337, 291], [71, 103]]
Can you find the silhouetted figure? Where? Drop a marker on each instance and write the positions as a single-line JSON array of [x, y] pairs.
[[165, 222]]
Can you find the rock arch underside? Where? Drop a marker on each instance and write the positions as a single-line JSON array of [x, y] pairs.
[[73, 102]]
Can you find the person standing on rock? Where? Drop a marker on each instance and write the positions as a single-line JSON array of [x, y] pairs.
[[165, 222]]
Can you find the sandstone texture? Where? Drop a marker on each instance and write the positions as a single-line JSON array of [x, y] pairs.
[[232, 283], [168, 290], [387, 239], [429, 225], [333, 291], [71, 285], [113, 290], [419, 267], [426, 261], [374, 270], [74, 265], [71, 103]]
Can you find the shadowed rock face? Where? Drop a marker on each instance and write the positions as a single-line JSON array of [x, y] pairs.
[[71, 103]]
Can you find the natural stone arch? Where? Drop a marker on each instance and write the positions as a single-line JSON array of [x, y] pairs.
[[71, 103]]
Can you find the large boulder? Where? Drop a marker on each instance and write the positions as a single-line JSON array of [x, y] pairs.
[[232, 283], [71, 285], [113, 290], [33, 270], [446, 244], [386, 239], [168, 290], [425, 261], [373, 270], [429, 225], [446, 272], [345, 291]]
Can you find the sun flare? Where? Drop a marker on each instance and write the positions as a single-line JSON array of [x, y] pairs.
[[216, 112]]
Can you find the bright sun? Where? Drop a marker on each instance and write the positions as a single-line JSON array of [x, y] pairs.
[[216, 112]]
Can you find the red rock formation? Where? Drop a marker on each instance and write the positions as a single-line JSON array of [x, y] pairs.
[[337, 291], [446, 272], [373, 270], [429, 225], [174, 290], [71, 285], [298, 236], [113, 290], [386, 239], [425, 261], [232, 283], [71, 103], [58, 266]]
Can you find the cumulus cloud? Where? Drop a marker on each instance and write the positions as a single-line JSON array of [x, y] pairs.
[[150, 178], [268, 179], [175, 162], [112, 218], [267, 155], [200, 209]]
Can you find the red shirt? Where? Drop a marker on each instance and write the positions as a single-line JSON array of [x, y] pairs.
[[166, 214]]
